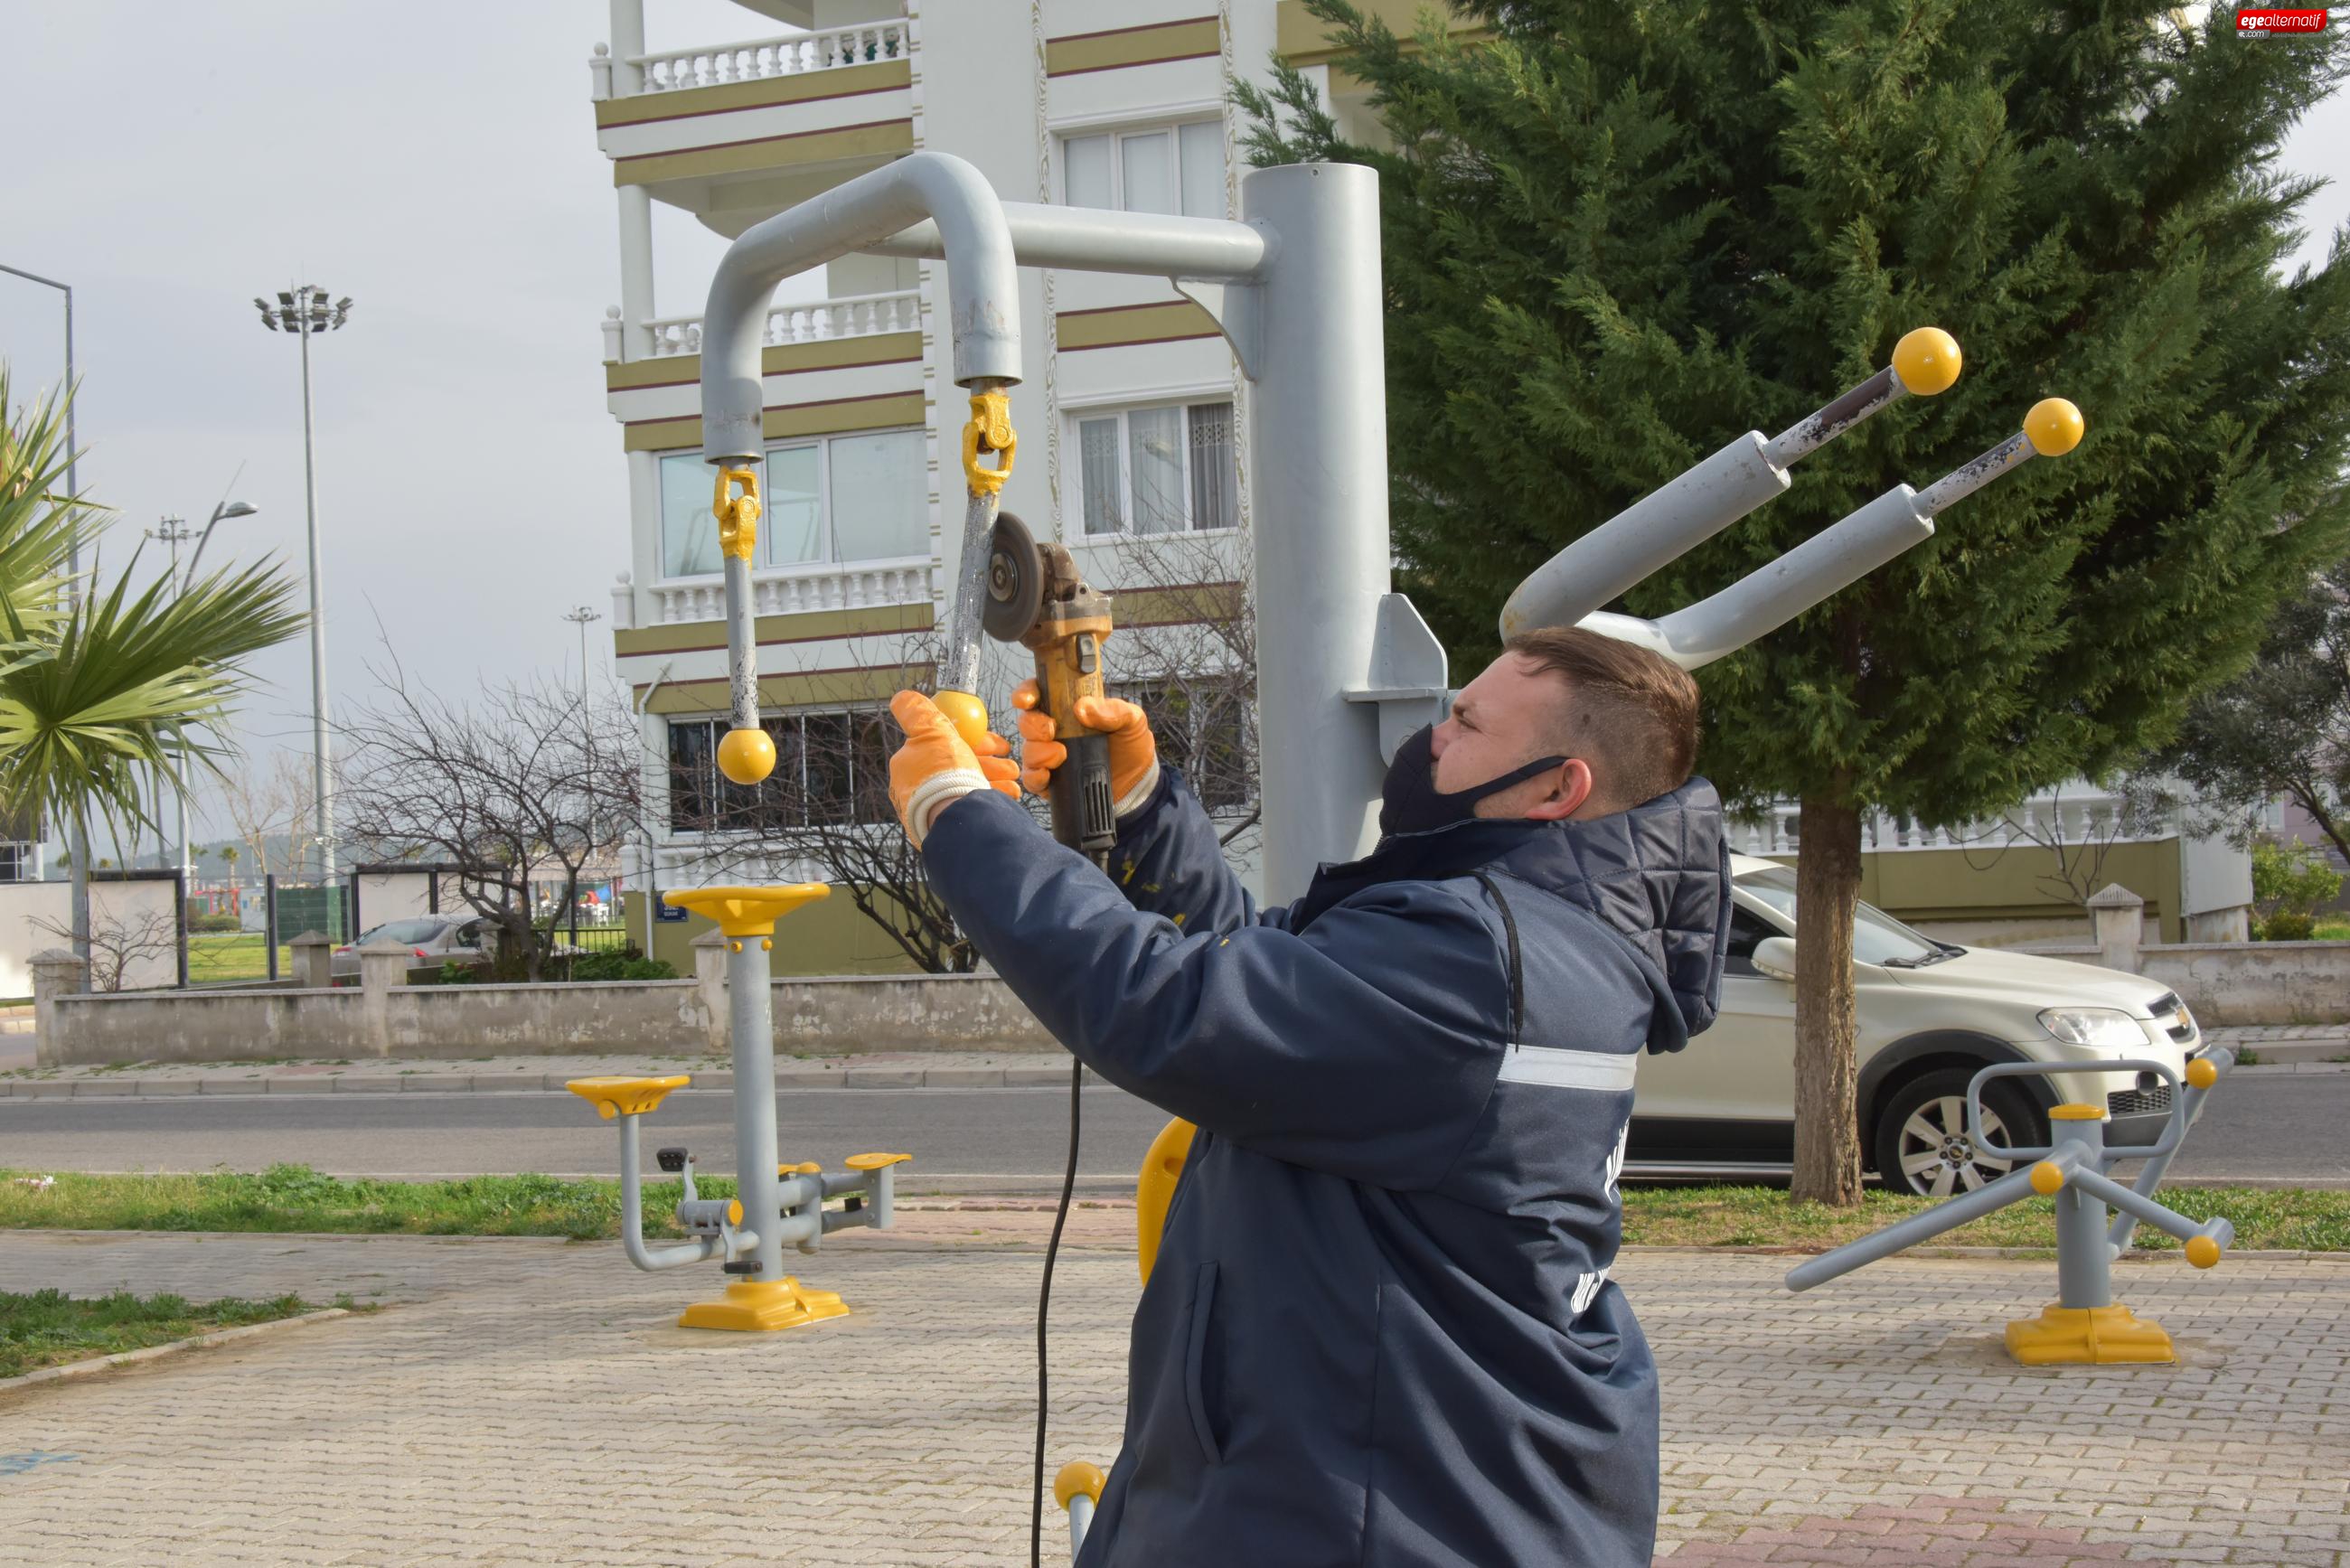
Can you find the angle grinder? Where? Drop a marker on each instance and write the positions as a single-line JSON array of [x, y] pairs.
[[1036, 597]]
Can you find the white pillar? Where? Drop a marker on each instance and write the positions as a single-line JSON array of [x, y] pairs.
[[628, 43], [636, 270]]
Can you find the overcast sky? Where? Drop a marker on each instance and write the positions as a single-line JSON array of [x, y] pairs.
[[436, 161]]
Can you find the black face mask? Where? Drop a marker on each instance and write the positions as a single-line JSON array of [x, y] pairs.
[[1409, 801]]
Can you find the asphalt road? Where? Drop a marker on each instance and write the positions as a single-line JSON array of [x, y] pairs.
[[2261, 1127]]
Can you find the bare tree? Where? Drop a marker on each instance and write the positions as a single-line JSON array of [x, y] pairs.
[[118, 943], [2075, 841], [527, 786], [269, 802], [1185, 650]]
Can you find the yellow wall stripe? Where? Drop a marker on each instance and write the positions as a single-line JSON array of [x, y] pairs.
[[1147, 45], [885, 410], [845, 81], [816, 688], [883, 139], [1125, 324], [809, 626], [830, 354]]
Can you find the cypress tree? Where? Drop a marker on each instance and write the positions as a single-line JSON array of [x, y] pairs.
[[1617, 236]]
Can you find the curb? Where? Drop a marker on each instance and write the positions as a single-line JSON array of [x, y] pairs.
[[194, 1341], [113, 1088]]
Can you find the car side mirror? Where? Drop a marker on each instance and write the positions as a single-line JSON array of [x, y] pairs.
[[1774, 956]]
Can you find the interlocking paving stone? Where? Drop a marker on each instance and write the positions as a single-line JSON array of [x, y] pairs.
[[531, 1400]]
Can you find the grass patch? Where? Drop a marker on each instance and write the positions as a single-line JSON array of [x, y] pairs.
[[242, 955], [2266, 1219], [48, 1327], [296, 1197]]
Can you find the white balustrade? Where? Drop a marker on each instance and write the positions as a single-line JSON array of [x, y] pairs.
[[676, 71], [903, 582], [2072, 815], [851, 316]]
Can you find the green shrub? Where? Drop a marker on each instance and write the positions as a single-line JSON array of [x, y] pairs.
[[213, 924], [627, 963], [2292, 878], [2287, 927]]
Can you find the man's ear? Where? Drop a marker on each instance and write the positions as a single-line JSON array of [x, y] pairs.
[[1569, 788]]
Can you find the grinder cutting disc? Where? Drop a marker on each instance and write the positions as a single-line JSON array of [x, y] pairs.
[[1016, 581]]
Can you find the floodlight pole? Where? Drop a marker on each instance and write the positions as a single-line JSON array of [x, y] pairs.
[[77, 833]]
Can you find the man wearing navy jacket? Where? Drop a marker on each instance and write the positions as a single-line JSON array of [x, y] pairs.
[[1380, 1330]]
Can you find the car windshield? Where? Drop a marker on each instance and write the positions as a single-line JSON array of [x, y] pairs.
[[408, 931], [1876, 937]]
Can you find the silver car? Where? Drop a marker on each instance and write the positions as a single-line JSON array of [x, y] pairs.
[[434, 939]]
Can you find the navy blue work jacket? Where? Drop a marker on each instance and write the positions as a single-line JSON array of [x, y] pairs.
[[1381, 1331]]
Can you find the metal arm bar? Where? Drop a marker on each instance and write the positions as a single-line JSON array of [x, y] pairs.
[[983, 297], [2150, 1174], [1210, 249], [632, 1216], [2172, 1131], [1770, 596], [2012, 1188], [2114, 1194]]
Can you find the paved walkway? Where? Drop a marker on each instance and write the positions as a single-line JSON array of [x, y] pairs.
[[528, 1401]]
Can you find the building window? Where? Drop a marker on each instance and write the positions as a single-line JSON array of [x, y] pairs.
[[836, 501], [830, 767], [1162, 470], [1201, 724], [1173, 169]]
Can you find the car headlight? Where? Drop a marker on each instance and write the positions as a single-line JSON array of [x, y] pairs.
[[2095, 1028], [2186, 1019]]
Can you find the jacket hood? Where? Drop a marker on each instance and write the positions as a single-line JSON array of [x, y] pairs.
[[1657, 874]]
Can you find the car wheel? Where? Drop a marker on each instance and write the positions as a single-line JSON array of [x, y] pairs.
[[1922, 1143]]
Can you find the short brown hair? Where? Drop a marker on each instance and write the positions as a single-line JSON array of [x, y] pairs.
[[1634, 716]]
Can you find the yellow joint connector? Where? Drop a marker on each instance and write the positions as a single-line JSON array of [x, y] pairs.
[[738, 515], [990, 429], [2047, 1179]]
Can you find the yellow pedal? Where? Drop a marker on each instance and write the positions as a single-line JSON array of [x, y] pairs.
[[874, 1161], [805, 1168]]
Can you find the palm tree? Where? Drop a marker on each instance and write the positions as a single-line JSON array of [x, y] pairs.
[[105, 695]]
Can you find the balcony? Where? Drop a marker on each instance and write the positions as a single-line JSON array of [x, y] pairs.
[[760, 59], [818, 321], [733, 132], [855, 585]]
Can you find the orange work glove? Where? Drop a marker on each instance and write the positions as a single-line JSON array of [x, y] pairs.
[[1133, 754], [937, 765]]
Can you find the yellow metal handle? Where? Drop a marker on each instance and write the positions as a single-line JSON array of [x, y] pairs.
[[738, 515], [990, 429]]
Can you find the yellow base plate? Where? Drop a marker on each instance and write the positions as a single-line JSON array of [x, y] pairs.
[[2086, 1336], [759, 1305]]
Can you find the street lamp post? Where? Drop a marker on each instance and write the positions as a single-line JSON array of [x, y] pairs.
[[76, 834], [304, 312], [172, 531]]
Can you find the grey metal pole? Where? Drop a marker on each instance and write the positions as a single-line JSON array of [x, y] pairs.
[[750, 1015], [319, 786], [76, 830], [1321, 512], [2085, 1276]]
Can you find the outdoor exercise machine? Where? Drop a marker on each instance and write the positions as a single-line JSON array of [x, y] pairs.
[[2084, 1327], [781, 1205], [1345, 668]]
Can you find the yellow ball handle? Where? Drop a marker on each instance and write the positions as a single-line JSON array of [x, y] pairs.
[[968, 714], [2202, 1252], [746, 756], [1928, 362], [2053, 427]]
